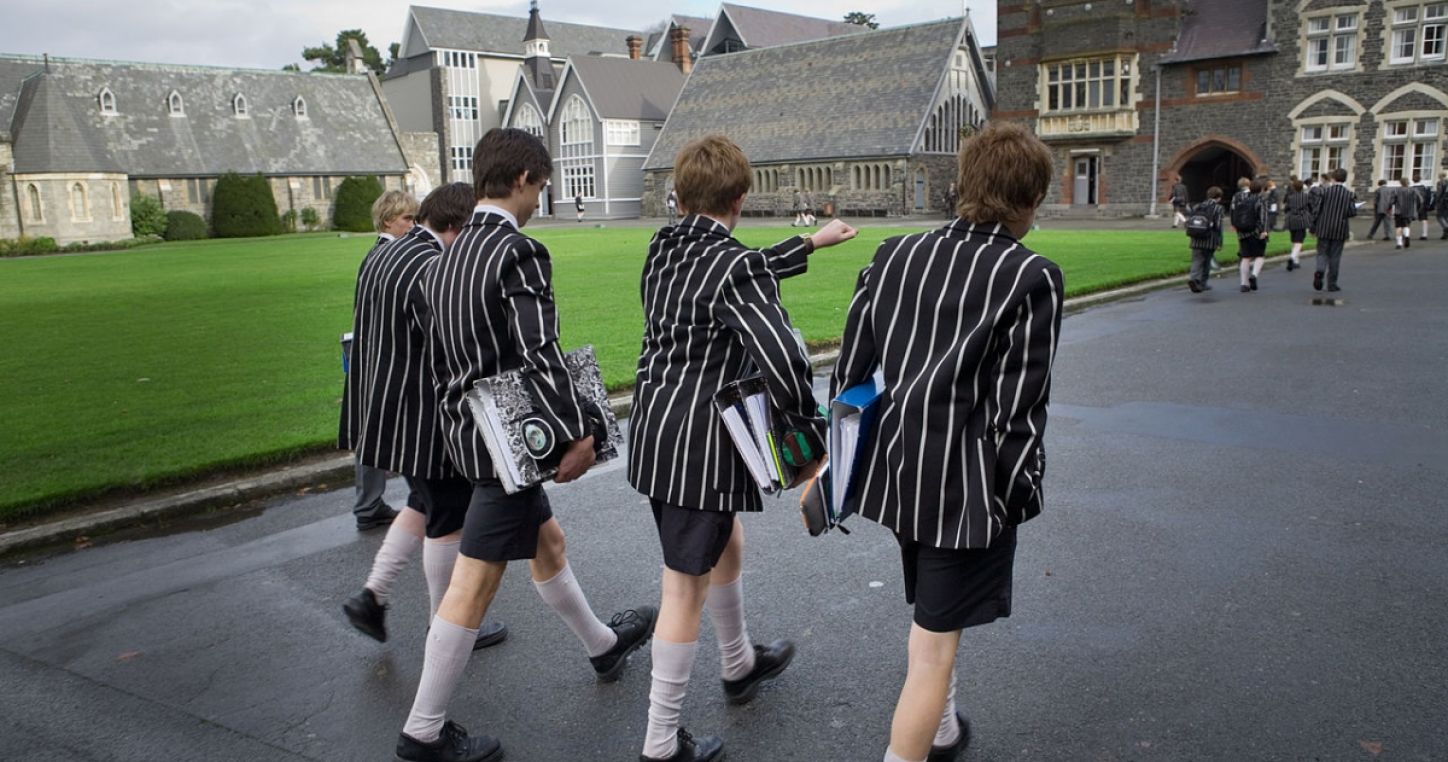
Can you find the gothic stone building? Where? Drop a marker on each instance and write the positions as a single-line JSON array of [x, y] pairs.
[[79, 139], [1246, 86], [867, 123]]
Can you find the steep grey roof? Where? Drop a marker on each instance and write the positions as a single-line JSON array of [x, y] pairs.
[[625, 89], [762, 28], [345, 131], [535, 29], [864, 95], [1221, 29], [13, 72], [503, 35], [698, 28]]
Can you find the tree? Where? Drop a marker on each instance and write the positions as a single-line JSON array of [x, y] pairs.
[[862, 19], [354, 200], [333, 58], [148, 217], [243, 206]]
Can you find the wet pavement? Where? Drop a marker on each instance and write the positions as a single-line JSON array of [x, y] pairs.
[[1243, 557]]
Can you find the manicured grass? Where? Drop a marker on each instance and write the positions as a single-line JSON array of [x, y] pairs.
[[130, 369]]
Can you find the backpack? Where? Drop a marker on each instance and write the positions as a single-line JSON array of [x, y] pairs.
[[1199, 225], [1244, 214]]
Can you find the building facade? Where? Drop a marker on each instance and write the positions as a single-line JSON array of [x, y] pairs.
[[868, 124], [1278, 87], [79, 139]]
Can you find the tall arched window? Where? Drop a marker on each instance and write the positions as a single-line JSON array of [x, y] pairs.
[[174, 104], [529, 120], [79, 207], [299, 107], [576, 156], [239, 105], [116, 200], [37, 212], [108, 101]]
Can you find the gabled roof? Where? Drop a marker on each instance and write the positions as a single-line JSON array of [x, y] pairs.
[[867, 96], [346, 131], [621, 88], [656, 47], [761, 28], [1221, 29], [503, 35], [525, 91], [535, 29]]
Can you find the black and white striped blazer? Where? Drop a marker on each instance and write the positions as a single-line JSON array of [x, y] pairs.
[[712, 316], [963, 323], [491, 295], [1335, 204], [389, 406]]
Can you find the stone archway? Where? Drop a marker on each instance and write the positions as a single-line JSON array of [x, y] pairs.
[[1214, 160]]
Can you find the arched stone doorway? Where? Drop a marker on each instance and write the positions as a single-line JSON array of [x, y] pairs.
[[1213, 161]]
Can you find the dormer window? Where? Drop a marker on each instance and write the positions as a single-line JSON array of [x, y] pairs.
[[174, 104], [299, 107], [108, 101], [238, 105]]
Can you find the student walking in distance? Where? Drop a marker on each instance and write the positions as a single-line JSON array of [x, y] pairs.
[[391, 392], [1178, 201], [711, 317], [491, 298], [1440, 201], [1424, 188], [954, 461], [579, 206], [1272, 196], [1299, 219], [1332, 227], [1405, 210], [393, 214], [1249, 217], [1206, 245], [1382, 204]]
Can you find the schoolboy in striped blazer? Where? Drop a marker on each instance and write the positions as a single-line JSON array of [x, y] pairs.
[[389, 411], [955, 460], [490, 295], [1337, 205], [711, 316]]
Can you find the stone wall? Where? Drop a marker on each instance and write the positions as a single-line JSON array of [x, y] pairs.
[[420, 149], [10, 208], [100, 211]]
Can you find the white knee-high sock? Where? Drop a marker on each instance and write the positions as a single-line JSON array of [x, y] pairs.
[[448, 647], [1245, 268], [1257, 266], [672, 664], [891, 756], [438, 560], [1296, 251], [564, 596], [949, 730], [397, 549], [726, 610]]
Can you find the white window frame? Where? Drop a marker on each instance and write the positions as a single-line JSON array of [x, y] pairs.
[[530, 121], [175, 104], [575, 150], [1410, 143], [463, 107], [240, 107], [1072, 80], [1420, 29], [107, 101], [36, 201], [460, 157], [1323, 147], [299, 107], [81, 212], [622, 132]]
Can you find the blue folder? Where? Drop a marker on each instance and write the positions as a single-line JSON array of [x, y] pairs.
[[852, 416]]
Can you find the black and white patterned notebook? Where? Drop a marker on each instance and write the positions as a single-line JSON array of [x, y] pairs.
[[524, 448]]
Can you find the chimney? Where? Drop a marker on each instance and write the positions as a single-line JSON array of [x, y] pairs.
[[635, 47], [679, 36], [355, 64]]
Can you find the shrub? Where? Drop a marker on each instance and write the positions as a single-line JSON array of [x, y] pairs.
[[289, 220], [310, 218], [354, 203], [27, 247], [243, 207], [184, 226], [148, 217]]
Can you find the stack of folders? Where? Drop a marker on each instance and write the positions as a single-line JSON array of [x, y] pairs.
[[750, 420], [852, 415]]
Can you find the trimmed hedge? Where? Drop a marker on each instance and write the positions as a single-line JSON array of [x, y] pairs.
[[244, 207], [184, 226], [27, 247], [148, 217], [33, 247], [354, 198]]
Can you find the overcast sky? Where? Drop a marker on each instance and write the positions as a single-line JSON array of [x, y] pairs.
[[270, 33]]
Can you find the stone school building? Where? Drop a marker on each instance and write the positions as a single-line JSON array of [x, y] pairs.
[[80, 138], [1247, 87]]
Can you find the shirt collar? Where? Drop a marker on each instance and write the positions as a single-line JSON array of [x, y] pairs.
[[702, 224], [498, 210], [421, 229], [386, 237], [963, 228]]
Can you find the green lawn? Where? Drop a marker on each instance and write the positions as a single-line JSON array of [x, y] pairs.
[[131, 369]]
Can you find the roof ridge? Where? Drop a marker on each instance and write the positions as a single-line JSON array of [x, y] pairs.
[[519, 18], [868, 33], [69, 60]]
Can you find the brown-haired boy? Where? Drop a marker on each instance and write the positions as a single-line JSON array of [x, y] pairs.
[[711, 316], [955, 459]]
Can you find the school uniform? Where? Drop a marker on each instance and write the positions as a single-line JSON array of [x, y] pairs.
[[491, 297], [712, 316], [1382, 210], [1331, 225], [1179, 200], [1405, 206], [1250, 242], [955, 459], [389, 407], [1440, 201], [1204, 249], [1299, 215], [370, 508]]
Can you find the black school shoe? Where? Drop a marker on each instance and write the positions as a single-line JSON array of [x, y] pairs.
[[949, 753], [1194, 286], [367, 615], [1317, 281], [377, 520], [490, 634], [453, 745], [691, 749], [634, 627], [1252, 279], [769, 662], [1333, 288]]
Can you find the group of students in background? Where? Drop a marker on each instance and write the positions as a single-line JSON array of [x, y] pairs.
[[1321, 205], [463, 294]]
